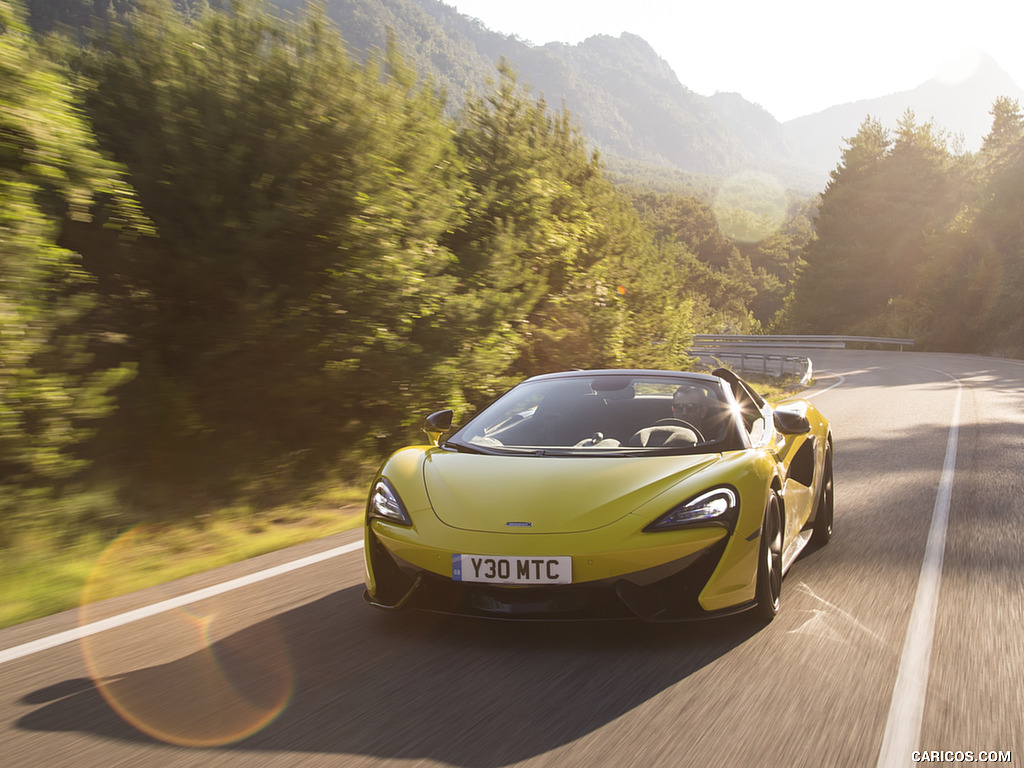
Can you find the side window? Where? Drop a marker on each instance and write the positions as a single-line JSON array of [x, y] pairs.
[[752, 415], [757, 434]]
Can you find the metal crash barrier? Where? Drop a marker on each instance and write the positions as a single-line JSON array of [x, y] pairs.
[[748, 354]]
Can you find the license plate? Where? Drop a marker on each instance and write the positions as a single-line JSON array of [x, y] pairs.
[[494, 569]]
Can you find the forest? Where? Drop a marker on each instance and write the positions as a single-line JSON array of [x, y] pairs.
[[237, 262]]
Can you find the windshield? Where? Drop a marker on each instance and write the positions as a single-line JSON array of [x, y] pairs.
[[609, 414]]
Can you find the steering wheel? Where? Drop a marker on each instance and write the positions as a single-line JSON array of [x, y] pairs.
[[680, 423]]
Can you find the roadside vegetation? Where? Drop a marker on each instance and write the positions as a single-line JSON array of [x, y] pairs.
[[48, 571], [237, 266]]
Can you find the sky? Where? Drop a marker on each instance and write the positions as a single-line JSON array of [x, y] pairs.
[[793, 57]]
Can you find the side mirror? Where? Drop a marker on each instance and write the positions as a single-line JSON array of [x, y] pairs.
[[436, 424], [790, 423]]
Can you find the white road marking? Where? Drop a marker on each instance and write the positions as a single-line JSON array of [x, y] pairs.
[[906, 710], [71, 635], [826, 389]]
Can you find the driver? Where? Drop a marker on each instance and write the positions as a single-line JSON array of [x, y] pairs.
[[694, 405]]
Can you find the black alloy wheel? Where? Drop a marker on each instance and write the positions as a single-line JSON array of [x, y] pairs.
[[823, 516], [769, 564]]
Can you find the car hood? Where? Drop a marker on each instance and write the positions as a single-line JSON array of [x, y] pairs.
[[535, 494]]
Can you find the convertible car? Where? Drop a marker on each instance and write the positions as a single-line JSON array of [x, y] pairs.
[[603, 494]]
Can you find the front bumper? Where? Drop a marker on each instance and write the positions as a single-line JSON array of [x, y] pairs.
[[669, 591]]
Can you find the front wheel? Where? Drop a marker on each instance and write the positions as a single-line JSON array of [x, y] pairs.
[[821, 531], [769, 564]]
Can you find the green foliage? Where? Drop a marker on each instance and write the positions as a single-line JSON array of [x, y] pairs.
[[298, 198], [979, 279], [889, 203], [853, 201], [330, 254], [550, 259], [777, 262], [913, 240], [732, 287], [631, 102], [49, 168]]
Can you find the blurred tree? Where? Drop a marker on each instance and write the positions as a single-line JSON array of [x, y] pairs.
[[688, 219], [553, 267], [298, 198], [49, 169]]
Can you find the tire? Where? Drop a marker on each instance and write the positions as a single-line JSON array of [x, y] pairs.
[[821, 531], [769, 562]]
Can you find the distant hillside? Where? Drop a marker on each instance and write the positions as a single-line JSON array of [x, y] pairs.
[[628, 100], [960, 107]]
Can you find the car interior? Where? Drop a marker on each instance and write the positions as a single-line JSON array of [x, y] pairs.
[[608, 412]]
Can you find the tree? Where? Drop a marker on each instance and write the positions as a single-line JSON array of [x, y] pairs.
[[49, 169], [881, 219], [298, 197], [777, 262], [994, 263], [549, 255], [1002, 145], [715, 276], [837, 257]]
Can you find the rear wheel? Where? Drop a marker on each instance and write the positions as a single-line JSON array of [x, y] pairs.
[[769, 564], [821, 532]]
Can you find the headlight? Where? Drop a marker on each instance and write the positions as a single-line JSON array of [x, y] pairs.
[[717, 506], [385, 504]]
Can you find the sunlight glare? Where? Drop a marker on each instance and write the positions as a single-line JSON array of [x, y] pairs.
[[199, 676], [750, 207]]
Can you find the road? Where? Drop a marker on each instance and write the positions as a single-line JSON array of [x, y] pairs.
[[295, 670]]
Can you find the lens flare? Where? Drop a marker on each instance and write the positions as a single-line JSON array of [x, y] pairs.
[[750, 206], [202, 676]]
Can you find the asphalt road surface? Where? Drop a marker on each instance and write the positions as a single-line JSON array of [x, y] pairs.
[[905, 633]]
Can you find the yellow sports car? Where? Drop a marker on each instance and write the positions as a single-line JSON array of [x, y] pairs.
[[603, 494]]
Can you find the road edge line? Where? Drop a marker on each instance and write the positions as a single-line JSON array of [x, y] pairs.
[[842, 379], [119, 620]]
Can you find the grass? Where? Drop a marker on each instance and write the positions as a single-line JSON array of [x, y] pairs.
[[42, 576]]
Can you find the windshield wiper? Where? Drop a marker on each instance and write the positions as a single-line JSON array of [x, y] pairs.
[[461, 447], [491, 450], [603, 453]]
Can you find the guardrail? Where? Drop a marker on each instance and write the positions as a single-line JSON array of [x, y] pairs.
[[767, 365], [709, 340]]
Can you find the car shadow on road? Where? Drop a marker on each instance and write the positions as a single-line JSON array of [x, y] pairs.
[[394, 686]]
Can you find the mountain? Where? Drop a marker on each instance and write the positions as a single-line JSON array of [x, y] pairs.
[[959, 104], [634, 108], [755, 127], [630, 104]]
